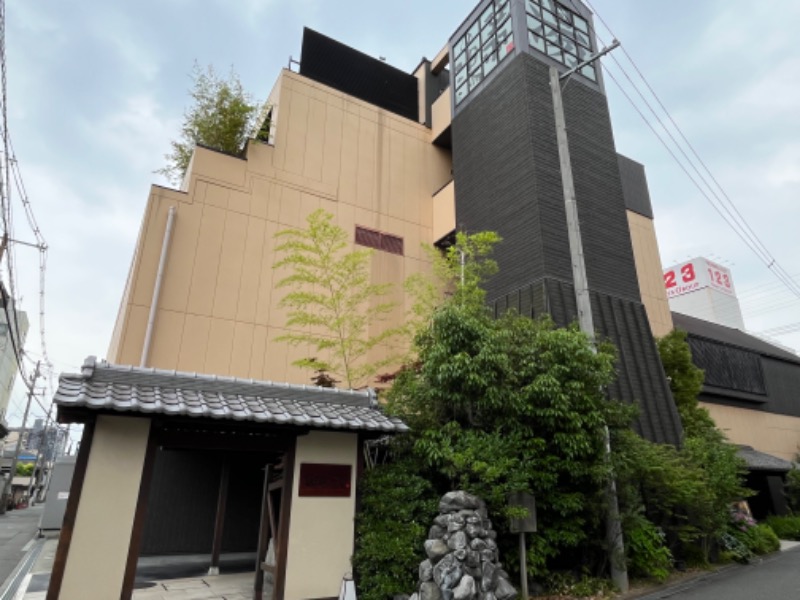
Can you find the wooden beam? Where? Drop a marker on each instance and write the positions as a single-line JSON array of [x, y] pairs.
[[141, 512], [264, 531], [284, 520], [70, 513], [219, 522]]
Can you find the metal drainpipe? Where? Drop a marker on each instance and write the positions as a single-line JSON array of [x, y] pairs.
[[148, 336]]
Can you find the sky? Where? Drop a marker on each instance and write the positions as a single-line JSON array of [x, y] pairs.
[[96, 91]]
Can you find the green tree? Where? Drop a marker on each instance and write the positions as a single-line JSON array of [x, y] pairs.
[[25, 469], [685, 381], [793, 486], [333, 304], [510, 404], [221, 117]]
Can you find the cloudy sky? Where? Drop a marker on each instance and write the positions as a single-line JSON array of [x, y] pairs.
[[96, 90]]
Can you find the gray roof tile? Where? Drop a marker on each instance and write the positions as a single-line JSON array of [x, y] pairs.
[[103, 386]]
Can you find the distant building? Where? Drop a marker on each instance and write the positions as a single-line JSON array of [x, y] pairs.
[[8, 360], [703, 289]]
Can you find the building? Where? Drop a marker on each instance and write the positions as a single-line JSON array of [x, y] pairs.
[[467, 141], [704, 289], [752, 391], [8, 356]]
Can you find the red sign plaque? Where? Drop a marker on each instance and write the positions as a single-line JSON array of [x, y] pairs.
[[320, 480]]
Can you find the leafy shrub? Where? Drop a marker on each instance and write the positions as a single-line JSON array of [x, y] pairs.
[[566, 584], [397, 507], [733, 547], [759, 539], [786, 528], [648, 555], [793, 487]]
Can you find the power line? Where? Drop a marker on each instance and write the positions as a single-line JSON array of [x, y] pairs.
[[721, 202]]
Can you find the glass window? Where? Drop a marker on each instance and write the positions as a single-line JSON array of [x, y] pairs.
[[567, 30], [568, 45], [460, 63], [552, 36], [461, 93], [588, 71], [583, 39], [581, 23], [533, 8], [505, 30], [503, 13], [460, 46], [489, 48], [475, 79], [536, 41], [461, 77], [535, 26], [564, 14], [487, 16], [549, 5], [473, 31], [489, 62], [487, 33], [554, 51], [550, 18], [584, 53], [475, 63], [506, 48], [474, 48], [570, 60]]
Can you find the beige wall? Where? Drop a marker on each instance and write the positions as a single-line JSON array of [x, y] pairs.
[[99, 550], [321, 542], [218, 311], [778, 435], [441, 113], [649, 272], [444, 212]]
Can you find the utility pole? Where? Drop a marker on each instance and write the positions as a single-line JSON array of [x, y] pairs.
[[616, 546], [41, 457], [13, 471]]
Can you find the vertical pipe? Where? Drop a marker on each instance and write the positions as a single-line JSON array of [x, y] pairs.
[[148, 336]]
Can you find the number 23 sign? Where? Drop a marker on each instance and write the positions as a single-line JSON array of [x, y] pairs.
[[696, 274]]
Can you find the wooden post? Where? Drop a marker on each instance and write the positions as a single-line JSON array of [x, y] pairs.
[[219, 523], [264, 532]]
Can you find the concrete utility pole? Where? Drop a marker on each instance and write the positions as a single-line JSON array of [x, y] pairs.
[[13, 471], [619, 573]]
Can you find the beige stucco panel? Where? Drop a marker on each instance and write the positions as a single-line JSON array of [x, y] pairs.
[[649, 272], [444, 211], [321, 529], [98, 553], [441, 113], [219, 311], [778, 435]]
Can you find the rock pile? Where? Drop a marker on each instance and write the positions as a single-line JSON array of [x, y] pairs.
[[463, 561]]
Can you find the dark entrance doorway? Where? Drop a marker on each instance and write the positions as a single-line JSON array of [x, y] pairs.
[[216, 499]]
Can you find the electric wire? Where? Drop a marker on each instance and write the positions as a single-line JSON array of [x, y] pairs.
[[721, 204]]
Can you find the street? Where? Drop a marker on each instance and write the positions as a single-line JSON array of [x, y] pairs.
[[17, 528], [777, 577]]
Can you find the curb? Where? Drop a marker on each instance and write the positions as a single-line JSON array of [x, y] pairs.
[[14, 583]]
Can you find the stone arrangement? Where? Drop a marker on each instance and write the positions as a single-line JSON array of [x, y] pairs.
[[463, 561]]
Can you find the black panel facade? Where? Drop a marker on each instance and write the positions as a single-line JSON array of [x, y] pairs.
[[354, 73], [741, 370], [183, 501], [508, 179], [634, 186]]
